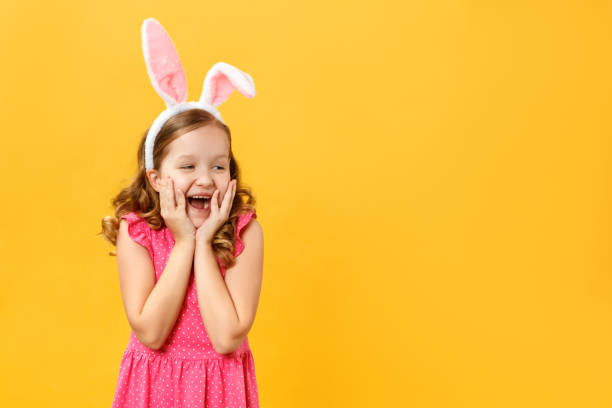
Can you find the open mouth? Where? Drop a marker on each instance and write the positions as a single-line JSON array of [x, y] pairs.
[[199, 203]]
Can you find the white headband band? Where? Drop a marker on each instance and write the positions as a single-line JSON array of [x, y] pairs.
[[168, 78]]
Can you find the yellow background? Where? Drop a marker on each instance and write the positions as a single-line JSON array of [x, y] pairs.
[[433, 180]]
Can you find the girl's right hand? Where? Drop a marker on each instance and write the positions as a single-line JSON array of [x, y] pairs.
[[174, 212]]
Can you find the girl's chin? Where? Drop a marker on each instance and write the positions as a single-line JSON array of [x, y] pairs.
[[198, 217]]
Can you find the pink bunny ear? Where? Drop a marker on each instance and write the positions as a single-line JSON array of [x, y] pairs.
[[163, 63], [220, 82]]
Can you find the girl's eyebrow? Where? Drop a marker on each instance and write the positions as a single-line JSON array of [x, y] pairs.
[[185, 156], [191, 156]]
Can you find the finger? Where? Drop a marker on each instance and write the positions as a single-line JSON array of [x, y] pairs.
[[231, 201], [168, 195], [233, 191], [214, 203], [172, 194], [180, 199], [227, 198], [162, 195]]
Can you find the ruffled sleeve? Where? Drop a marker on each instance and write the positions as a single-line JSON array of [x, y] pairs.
[[242, 222], [139, 231]]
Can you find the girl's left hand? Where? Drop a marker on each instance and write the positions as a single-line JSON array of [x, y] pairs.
[[218, 216]]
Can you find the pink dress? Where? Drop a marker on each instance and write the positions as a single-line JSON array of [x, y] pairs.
[[186, 372]]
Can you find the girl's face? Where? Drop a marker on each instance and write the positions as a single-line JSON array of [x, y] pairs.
[[198, 163]]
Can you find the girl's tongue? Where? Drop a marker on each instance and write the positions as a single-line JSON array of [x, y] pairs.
[[198, 203]]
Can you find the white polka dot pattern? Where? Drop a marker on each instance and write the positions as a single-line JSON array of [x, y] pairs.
[[186, 372]]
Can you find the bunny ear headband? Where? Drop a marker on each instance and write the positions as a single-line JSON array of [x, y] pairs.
[[169, 80]]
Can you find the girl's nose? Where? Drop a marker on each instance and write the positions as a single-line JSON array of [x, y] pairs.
[[204, 179]]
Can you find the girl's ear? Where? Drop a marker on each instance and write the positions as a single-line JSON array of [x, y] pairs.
[[220, 82], [163, 65], [154, 179]]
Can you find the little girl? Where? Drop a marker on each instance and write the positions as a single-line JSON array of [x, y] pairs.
[[179, 229]]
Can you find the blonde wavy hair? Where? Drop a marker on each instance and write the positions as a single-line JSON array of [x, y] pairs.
[[141, 198]]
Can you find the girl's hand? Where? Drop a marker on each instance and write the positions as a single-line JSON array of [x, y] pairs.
[[174, 212], [218, 216]]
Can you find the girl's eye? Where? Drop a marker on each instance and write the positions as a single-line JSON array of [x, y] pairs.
[[190, 166]]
